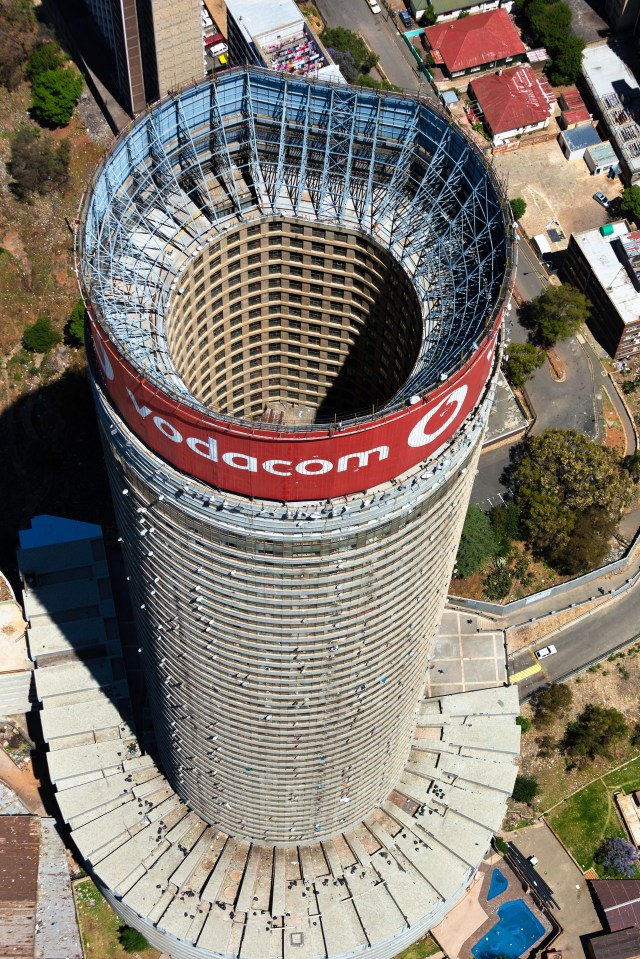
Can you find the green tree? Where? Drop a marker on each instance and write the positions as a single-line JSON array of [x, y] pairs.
[[477, 542], [559, 312], [524, 723], [131, 940], [54, 96], [518, 207], [37, 164], [339, 38], [74, 330], [429, 17], [566, 61], [561, 476], [594, 732], [521, 362], [630, 203], [526, 788], [41, 336], [46, 56], [552, 701]]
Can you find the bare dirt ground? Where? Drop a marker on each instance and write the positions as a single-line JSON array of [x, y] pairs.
[[555, 188]]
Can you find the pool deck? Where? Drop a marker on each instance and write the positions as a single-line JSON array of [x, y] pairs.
[[473, 917]]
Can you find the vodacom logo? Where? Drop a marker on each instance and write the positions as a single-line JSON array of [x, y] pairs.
[[446, 411], [105, 362]]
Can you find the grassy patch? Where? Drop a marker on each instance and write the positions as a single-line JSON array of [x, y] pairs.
[[626, 779], [99, 925], [584, 820], [421, 949]]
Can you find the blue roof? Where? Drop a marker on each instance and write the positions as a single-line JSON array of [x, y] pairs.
[[449, 96], [581, 137], [49, 530]]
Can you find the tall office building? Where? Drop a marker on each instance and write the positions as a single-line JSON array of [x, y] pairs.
[[156, 45], [295, 294]]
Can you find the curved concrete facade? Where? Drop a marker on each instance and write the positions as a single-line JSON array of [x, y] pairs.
[[285, 649], [295, 295]]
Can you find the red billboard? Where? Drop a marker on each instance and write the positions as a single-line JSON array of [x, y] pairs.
[[292, 466]]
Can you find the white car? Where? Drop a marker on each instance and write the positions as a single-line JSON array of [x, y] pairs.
[[546, 651], [374, 5]]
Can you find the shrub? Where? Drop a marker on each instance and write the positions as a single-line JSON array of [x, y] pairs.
[[524, 723], [46, 56], [595, 730], [526, 789], [501, 845], [40, 336], [131, 940], [518, 207], [635, 736], [74, 330], [551, 701], [617, 858], [547, 746], [497, 583], [55, 94], [37, 165]]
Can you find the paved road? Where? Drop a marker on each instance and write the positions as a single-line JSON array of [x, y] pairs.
[[604, 630], [571, 403], [383, 38]]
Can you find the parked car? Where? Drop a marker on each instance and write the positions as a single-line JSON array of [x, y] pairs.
[[546, 651], [406, 19], [601, 199], [374, 6]]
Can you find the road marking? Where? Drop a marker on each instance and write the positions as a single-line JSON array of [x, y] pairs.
[[525, 673]]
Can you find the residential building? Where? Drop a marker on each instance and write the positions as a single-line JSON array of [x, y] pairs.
[[481, 42], [605, 265], [601, 158], [451, 9], [615, 98], [575, 141], [277, 36], [512, 102]]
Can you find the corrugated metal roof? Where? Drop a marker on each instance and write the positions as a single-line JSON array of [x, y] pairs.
[[581, 137], [474, 41], [19, 853], [512, 99]]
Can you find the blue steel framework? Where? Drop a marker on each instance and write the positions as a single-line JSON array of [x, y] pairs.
[[255, 143]]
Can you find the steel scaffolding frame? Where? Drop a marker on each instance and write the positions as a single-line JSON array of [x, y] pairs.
[[258, 144]]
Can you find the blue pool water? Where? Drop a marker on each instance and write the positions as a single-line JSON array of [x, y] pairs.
[[513, 935], [497, 885]]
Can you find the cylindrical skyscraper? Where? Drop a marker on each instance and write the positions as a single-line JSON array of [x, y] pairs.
[[295, 293]]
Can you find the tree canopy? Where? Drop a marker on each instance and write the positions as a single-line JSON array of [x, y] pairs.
[[46, 56], [525, 789], [593, 733], [37, 165], [477, 542], [74, 329], [518, 207], [559, 312], [41, 336], [569, 491], [54, 96], [630, 203], [339, 38], [550, 22], [551, 701], [522, 360], [618, 858]]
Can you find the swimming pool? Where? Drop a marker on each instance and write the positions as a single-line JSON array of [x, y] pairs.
[[498, 884], [513, 935]]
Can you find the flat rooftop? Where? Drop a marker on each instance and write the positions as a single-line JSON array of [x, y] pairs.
[[609, 269], [256, 17], [616, 89]]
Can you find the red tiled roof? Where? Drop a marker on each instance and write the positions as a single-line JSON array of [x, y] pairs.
[[619, 900], [512, 99], [474, 41]]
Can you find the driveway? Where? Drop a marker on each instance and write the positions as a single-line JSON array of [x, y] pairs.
[[576, 913]]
